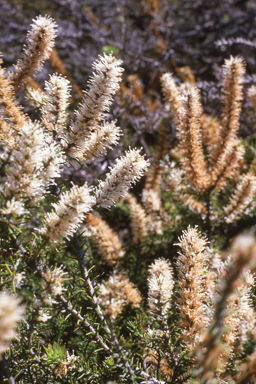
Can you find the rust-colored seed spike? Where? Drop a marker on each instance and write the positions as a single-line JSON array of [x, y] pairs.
[[11, 111], [154, 172], [190, 135], [191, 298], [172, 96], [233, 72], [105, 240]]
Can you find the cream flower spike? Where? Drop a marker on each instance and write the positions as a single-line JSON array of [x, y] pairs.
[[40, 41], [160, 283], [69, 213], [127, 171], [11, 312]]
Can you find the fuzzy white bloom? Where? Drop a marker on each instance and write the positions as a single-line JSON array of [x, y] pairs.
[[10, 314], [127, 171], [155, 332], [87, 137], [69, 213], [171, 177], [71, 358], [52, 164], [117, 292], [14, 207], [151, 200], [152, 203], [246, 315], [53, 280], [40, 41], [241, 198], [35, 97], [97, 144], [240, 319], [55, 103], [160, 283], [43, 26], [35, 164], [44, 316], [19, 279], [102, 86], [216, 271], [49, 300], [27, 163], [68, 364], [239, 315]]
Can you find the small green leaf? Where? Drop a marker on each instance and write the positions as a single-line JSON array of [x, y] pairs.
[[109, 361], [55, 353], [110, 49]]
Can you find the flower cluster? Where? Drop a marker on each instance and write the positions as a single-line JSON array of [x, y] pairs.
[[68, 213], [89, 137], [160, 285], [40, 41], [11, 312], [117, 292], [35, 164], [127, 171]]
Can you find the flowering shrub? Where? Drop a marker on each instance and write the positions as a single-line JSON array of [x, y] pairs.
[[74, 307]]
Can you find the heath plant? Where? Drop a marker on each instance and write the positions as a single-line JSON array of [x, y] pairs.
[[71, 310]]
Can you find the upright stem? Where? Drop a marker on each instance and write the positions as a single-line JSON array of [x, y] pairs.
[[122, 352], [85, 274], [111, 332], [84, 322]]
